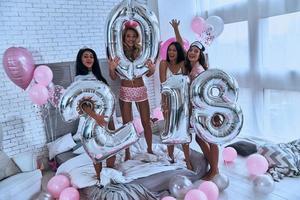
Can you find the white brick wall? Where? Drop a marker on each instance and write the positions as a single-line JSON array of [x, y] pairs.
[[53, 31]]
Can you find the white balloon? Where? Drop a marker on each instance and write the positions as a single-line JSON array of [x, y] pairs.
[[217, 24]]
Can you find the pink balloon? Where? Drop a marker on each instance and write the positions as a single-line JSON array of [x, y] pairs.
[[19, 66], [158, 114], [210, 189], [43, 75], [164, 47], [57, 184], [257, 164], [69, 193], [138, 125], [229, 154], [198, 25], [38, 94], [195, 194], [168, 198]]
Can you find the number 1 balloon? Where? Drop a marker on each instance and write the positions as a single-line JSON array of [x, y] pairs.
[[177, 122]]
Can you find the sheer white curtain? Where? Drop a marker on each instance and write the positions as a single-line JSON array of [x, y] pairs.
[[260, 46]]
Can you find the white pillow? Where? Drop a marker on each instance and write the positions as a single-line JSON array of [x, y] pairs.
[[77, 136], [26, 161], [79, 150], [60, 145]]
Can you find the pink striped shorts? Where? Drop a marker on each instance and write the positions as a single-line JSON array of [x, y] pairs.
[[133, 94]]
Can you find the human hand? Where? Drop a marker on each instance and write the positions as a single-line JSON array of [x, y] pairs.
[[150, 65], [175, 23], [101, 121], [113, 63]]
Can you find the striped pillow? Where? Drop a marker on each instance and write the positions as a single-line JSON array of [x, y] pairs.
[[279, 155]]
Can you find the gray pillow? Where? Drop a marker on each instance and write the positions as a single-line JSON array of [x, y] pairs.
[[244, 148], [7, 166]]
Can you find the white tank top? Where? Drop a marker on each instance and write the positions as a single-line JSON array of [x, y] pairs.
[[170, 73]]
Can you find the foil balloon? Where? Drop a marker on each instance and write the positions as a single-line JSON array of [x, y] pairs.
[[99, 142], [19, 66], [176, 88], [263, 184], [216, 116], [179, 185], [129, 11]]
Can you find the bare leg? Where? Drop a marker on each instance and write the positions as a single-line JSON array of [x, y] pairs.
[[211, 153], [186, 151], [144, 110], [98, 169], [126, 111], [171, 152], [110, 162]]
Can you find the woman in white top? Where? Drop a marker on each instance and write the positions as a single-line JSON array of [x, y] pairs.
[[174, 64]]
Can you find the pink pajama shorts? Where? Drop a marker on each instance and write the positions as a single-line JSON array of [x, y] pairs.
[[133, 94]]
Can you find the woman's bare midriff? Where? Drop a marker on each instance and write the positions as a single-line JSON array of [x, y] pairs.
[[138, 82]]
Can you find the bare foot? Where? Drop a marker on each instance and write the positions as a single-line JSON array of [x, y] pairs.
[[189, 165], [210, 175], [127, 156], [150, 151]]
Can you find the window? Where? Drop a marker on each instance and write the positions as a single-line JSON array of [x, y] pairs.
[[280, 41], [229, 51], [281, 114]]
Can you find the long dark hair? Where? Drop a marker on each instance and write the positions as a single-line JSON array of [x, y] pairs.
[[81, 69], [180, 52], [201, 60]]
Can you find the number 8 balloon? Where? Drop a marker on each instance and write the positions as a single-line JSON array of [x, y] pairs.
[[99, 142], [216, 116]]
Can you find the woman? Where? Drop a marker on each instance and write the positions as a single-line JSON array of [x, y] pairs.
[[86, 62], [133, 91], [174, 65], [196, 64]]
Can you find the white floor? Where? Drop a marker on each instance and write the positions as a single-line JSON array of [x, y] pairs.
[[240, 185]]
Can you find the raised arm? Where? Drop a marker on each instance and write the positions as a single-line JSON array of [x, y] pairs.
[[113, 63], [175, 24]]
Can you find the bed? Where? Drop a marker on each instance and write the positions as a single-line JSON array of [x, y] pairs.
[[240, 183]]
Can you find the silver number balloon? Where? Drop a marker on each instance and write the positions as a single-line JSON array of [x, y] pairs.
[[130, 10], [176, 89], [216, 116], [99, 142]]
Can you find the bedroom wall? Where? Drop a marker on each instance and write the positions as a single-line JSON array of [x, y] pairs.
[[53, 31]]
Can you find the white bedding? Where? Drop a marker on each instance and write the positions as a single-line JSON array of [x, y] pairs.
[[82, 174]]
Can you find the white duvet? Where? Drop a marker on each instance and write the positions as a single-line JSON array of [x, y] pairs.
[[81, 171]]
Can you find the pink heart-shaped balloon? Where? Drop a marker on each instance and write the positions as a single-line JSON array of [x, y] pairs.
[[19, 66]]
